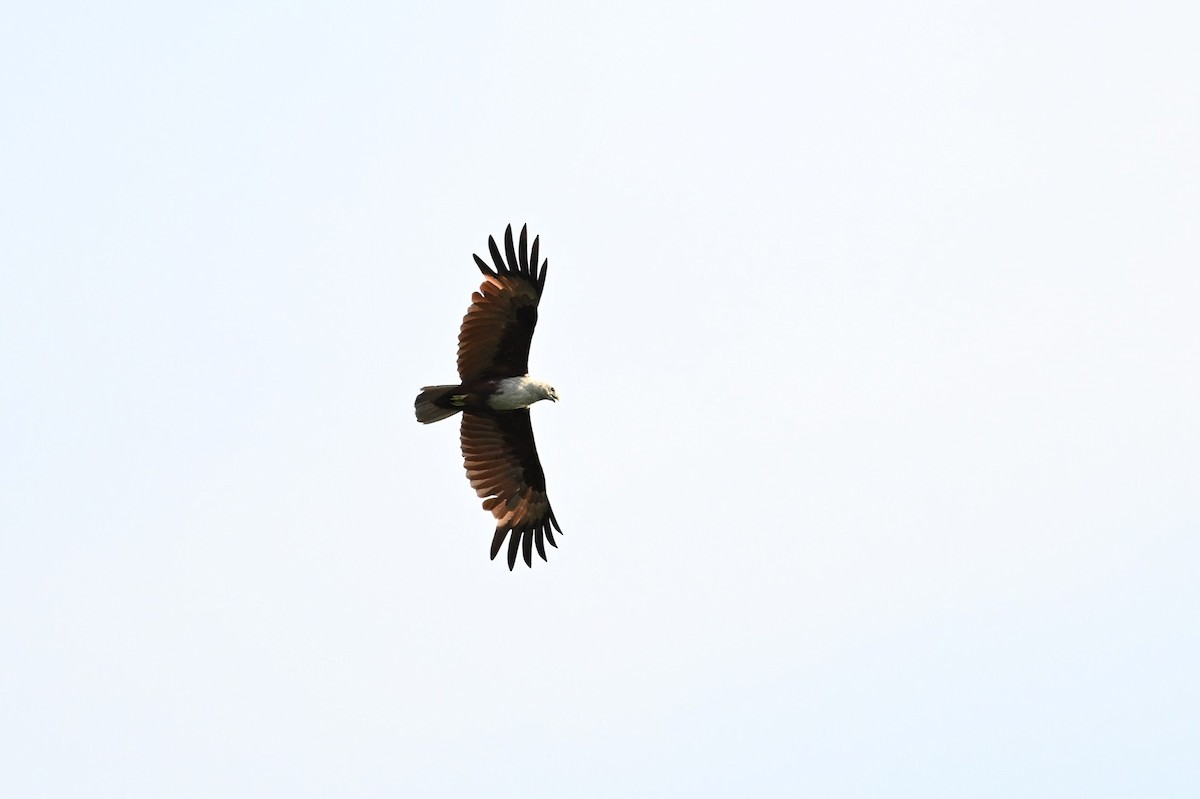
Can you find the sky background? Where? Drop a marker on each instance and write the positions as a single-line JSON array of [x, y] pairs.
[[878, 460]]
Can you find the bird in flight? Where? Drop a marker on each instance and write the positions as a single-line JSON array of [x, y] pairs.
[[494, 395]]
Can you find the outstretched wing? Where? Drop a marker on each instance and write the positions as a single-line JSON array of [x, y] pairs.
[[495, 334], [503, 467]]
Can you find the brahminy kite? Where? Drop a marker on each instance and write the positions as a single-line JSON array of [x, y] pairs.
[[494, 395]]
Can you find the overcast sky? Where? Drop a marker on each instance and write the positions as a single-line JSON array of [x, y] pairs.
[[878, 456]]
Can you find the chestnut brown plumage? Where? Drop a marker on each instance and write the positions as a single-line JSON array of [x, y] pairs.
[[503, 467], [495, 334], [494, 395]]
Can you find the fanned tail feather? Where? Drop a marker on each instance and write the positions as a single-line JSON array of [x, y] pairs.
[[429, 404]]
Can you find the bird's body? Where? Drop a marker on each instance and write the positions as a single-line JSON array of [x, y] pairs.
[[494, 395], [489, 394]]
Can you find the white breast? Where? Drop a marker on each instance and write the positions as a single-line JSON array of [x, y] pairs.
[[517, 392]]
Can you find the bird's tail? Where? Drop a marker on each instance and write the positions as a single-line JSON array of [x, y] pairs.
[[433, 403]]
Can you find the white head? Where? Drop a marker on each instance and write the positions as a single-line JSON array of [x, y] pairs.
[[545, 390]]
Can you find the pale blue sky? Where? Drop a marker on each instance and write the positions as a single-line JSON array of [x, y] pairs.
[[878, 459]]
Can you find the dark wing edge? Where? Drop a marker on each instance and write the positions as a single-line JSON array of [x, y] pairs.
[[497, 331], [518, 261], [502, 463]]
